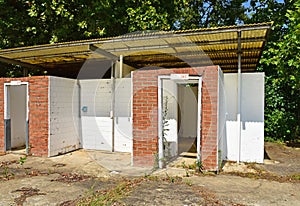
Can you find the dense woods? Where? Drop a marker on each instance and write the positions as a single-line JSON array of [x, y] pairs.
[[32, 22]]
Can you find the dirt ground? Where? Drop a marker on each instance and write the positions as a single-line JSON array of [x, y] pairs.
[[95, 178]]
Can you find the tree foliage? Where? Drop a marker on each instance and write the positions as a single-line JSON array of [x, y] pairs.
[[31, 22], [281, 62], [204, 13]]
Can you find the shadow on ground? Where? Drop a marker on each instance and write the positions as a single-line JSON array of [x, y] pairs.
[[95, 177]]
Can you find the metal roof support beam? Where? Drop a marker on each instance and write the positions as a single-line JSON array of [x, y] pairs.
[[113, 101], [239, 95], [103, 52], [121, 67]]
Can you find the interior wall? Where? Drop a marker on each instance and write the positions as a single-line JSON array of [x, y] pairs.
[[222, 141], [64, 116], [95, 114], [18, 111], [252, 117], [188, 108], [170, 103], [123, 118], [96, 98]]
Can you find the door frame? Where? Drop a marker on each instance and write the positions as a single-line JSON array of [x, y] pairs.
[[160, 115], [7, 118]]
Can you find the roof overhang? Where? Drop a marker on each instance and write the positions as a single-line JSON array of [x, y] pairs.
[[173, 49]]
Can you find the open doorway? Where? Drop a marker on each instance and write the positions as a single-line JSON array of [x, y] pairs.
[[16, 116], [187, 119], [179, 105]]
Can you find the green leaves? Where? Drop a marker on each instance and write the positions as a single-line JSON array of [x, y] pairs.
[[148, 16], [281, 63]]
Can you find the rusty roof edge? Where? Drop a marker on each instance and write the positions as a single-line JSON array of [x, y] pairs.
[[17, 62], [149, 35]]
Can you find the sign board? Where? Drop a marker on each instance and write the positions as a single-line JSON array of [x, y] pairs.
[[15, 83], [179, 76]]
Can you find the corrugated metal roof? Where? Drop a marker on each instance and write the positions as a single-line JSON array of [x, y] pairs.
[[196, 47]]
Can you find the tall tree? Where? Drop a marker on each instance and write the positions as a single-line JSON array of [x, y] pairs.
[[280, 62], [29, 22], [209, 13]]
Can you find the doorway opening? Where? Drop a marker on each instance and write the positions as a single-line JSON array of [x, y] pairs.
[[16, 116], [179, 109], [187, 119]]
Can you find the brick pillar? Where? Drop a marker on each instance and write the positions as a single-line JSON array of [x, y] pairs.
[[38, 115]]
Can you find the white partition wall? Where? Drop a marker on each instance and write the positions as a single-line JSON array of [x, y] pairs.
[[170, 97], [64, 133], [252, 118], [222, 142], [96, 115], [123, 122]]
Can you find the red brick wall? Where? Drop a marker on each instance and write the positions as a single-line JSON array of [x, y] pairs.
[[145, 114], [38, 113]]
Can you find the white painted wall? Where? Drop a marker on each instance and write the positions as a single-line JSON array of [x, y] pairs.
[[96, 121], [123, 121], [188, 105], [18, 104], [170, 92], [252, 117], [222, 147], [96, 97], [63, 115]]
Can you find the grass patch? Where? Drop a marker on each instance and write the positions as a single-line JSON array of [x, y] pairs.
[[296, 177], [268, 176], [121, 190], [108, 197]]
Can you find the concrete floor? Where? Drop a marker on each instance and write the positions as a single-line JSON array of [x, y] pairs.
[[117, 163]]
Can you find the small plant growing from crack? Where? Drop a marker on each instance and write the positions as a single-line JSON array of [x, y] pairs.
[[171, 179], [22, 160], [200, 166], [6, 173], [165, 124]]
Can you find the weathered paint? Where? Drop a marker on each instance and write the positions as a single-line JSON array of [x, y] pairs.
[[64, 133]]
